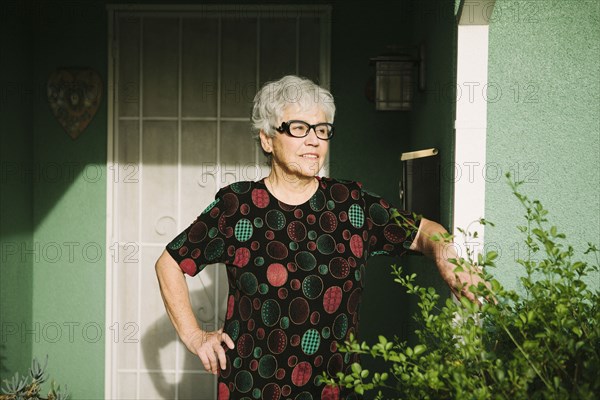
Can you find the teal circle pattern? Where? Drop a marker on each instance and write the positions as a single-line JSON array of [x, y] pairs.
[[356, 215], [248, 283], [330, 205], [326, 244], [275, 220], [240, 187], [210, 206], [243, 381], [312, 286], [317, 201], [233, 329], [378, 214], [214, 249], [267, 366], [263, 288], [305, 261], [178, 241], [243, 230], [310, 341], [237, 362], [270, 312], [340, 326]]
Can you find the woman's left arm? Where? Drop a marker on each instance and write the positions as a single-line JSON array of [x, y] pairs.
[[440, 252]]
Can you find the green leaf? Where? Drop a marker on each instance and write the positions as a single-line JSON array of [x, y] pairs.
[[538, 232], [419, 349], [499, 374], [458, 269], [491, 255], [523, 318]]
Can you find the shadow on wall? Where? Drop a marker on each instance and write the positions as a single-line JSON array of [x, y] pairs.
[[160, 335]]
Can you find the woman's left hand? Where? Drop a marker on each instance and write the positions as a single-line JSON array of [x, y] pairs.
[[440, 251], [460, 281]]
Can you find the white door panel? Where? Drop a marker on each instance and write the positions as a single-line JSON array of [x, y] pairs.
[[182, 82]]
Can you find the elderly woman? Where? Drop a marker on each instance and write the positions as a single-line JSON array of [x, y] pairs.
[[295, 246]]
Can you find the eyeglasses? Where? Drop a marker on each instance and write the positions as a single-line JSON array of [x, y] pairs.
[[300, 129]]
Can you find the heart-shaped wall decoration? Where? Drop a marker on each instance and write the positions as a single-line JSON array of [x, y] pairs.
[[74, 95]]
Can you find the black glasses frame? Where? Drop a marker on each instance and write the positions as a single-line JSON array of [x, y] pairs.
[[285, 128]]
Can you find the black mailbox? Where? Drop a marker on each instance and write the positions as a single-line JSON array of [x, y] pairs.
[[420, 184]]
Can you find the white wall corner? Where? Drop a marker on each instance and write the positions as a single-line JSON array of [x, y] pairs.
[[470, 131]]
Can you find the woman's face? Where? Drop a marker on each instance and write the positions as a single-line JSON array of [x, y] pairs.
[[297, 157]]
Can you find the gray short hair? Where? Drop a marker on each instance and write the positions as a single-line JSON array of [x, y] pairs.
[[275, 96]]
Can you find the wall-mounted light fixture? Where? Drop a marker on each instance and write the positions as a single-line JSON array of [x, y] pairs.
[[395, 79]]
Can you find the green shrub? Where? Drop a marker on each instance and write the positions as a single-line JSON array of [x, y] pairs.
[[540, 342]]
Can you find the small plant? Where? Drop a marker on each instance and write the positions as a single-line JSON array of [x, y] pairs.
[[29, 387], [541, 342]]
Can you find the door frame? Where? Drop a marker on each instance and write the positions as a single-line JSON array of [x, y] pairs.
[[470, 125]]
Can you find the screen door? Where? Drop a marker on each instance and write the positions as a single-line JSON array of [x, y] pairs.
[[181, 86]]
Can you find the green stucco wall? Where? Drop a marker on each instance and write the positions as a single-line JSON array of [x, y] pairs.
[[544, 121]]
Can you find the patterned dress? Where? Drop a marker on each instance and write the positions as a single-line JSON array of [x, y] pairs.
[[295, 281]]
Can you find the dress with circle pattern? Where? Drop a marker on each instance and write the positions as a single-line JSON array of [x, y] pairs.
[[295, 281]]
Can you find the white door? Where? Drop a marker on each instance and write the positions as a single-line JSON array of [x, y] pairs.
[[182, 82]]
